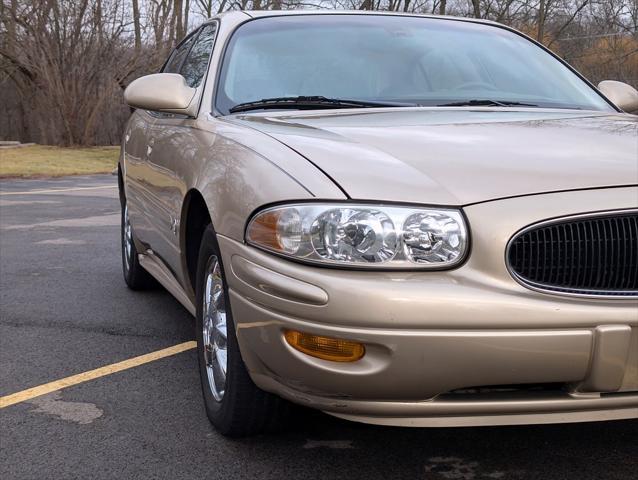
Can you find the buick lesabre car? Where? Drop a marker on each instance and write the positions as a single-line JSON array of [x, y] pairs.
[[399, 220]]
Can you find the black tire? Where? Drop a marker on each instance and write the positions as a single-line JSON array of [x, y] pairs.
[[244, 409], [135, 276]]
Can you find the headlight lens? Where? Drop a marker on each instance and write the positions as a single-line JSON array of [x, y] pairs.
[[432, 237], [362, 235], [353, 235]]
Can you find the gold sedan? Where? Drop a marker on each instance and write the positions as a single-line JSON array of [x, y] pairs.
[[396, 219]]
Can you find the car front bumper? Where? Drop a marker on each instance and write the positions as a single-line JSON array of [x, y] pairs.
[[465, 347]]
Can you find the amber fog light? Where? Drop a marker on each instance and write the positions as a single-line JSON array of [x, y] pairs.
[[326, 348]]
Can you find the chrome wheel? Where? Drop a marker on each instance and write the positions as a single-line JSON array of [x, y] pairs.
[[214, 329], [127, 239]]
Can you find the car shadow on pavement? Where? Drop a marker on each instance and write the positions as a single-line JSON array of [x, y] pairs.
[[585, 450]]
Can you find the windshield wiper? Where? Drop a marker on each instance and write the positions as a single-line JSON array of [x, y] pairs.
[[311, 102], [487, 103]]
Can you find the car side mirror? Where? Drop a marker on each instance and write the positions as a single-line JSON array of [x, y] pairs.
[[622, 95], [162, 92]]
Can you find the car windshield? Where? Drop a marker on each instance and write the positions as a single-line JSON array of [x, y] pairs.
[[394, 59]]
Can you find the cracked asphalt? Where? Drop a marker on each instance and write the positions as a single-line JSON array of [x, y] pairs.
[[64, 309]]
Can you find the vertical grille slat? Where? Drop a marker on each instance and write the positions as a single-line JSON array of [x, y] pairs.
[[625, 254], [619, 248], [588, 242], [596, 255], [579, 252], [569, 255], [633, 253], [553, 266], [609, 273], [598, 273]]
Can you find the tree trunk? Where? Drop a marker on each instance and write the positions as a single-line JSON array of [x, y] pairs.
[[98, 19], [11, 30], [477, 8], [136, 23], [540, 33], [442, 7], [179, 26], [171, 27], [366, 5], [186, 9]]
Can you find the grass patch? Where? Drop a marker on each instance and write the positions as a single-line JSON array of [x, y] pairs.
[[44, 161]]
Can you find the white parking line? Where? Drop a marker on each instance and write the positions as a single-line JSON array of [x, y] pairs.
[[56, 190]]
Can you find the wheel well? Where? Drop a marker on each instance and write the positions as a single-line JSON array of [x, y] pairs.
[[120, 185], [197, 218]]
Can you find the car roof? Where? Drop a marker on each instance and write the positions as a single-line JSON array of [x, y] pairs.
[[280, 13]]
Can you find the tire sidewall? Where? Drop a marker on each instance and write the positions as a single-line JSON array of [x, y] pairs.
[[135, 276]]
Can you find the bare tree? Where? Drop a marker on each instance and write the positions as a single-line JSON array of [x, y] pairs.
[[64, 63]]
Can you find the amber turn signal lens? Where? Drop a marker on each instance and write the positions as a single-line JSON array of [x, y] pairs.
[[326, 348], [263, 230]]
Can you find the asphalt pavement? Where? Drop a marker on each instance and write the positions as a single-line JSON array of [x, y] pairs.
[[64, 309]]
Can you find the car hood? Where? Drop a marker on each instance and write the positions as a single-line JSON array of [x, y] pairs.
[[452, 156]]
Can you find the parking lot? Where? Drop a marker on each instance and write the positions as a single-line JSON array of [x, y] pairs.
[[65, 310]]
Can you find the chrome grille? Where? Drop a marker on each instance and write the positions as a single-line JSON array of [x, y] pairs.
[[593, 255]]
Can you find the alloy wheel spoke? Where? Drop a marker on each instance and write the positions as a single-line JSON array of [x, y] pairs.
[[209, 354], [220, 326], [217, 294], [221, 357], [219, 378], [128, 239], [215, 330]]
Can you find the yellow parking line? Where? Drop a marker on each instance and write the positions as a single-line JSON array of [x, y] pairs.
[[92, 374], [56, 190]]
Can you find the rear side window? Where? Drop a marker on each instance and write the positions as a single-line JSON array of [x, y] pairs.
[[196, 63], [175, 62]]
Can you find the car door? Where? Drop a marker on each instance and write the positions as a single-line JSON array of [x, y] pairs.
[[134, 168], [141, 179], [171, 141]]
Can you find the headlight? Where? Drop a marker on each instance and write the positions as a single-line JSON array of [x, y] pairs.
[[360, 235]]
